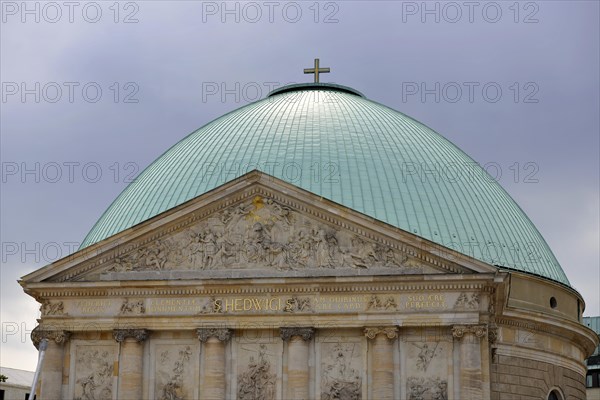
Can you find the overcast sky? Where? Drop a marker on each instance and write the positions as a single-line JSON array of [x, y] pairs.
[[92, 92]]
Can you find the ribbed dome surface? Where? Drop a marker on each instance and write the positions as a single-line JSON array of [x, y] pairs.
[[352, 151]]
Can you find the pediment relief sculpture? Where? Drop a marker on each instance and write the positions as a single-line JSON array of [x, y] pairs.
[[263, 234]]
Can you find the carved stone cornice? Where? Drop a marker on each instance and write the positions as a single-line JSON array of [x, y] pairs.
[[223, 334], [328, 285], [58, 336], [305, 333], [459, 331], [391, 332], [138, 334]]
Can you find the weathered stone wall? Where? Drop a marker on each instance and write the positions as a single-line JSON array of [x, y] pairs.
[[515, 378]]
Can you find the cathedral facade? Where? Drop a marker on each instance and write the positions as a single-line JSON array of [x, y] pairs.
[[338, 273]]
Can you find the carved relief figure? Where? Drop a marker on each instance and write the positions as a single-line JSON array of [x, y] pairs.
[[132, 307], [224, 250], [195, 249], [280, 213], [262, 233], [122, 264], [427, 389], [257, 382], [375, 303], [362, 254], [211, 305], [394, 258], [296, 304], [324, 244], [157, 255], [96, 369], [426, 354], [52, 308], [416, 388], [300, 248], [464, 302], [171, 385], [340, 381]]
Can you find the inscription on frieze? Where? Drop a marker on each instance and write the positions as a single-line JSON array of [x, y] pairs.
[[275, 303], [263, 303], [93, 306], [175, 306], [423, 301]]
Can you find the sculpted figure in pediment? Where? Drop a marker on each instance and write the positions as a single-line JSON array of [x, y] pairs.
[[260, 234]]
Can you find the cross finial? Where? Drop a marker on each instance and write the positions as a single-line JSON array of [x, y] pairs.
[[316, 70]]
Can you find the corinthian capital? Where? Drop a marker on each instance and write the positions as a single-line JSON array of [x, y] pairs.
[[138, 334], [58, 336], [305, 333], [459, 331], [391, 332], [223, 334]]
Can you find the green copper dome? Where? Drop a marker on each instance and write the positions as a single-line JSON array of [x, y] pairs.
[[333, 142]]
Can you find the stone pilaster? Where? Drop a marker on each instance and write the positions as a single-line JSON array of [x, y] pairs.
[[131, 361], [52, 369], [382, 361], [213, 380], [471, 378], [298, 379]]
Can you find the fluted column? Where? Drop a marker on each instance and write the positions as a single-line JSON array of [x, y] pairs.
[[298, 379], [471, 379], [131, 359], [213, 382], [52, 369], [382, 361]]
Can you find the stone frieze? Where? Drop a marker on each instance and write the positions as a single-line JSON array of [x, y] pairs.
[[262, 234]]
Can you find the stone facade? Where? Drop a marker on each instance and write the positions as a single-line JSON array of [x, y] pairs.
[[260, 290], [525, 379]]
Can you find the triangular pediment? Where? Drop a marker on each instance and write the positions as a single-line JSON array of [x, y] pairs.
[[257, 226]]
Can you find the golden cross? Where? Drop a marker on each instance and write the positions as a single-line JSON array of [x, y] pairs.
[[316, 70]]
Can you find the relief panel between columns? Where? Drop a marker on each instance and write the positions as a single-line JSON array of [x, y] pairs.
[[257, 364], [174, 369], [92, 372], [426, 364], [341, 365]]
